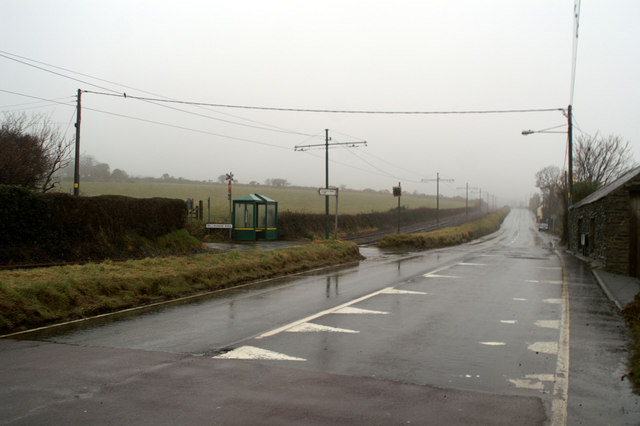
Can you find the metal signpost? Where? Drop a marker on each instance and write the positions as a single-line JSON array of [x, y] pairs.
[[397, 192], [331, 192], [229, 177]]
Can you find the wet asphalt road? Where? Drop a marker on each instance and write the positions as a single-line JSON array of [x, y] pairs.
[[497, 316]]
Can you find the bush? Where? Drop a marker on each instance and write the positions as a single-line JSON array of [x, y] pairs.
[[294, 225]]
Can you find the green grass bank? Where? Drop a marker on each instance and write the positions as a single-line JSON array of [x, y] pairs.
[[448, 236], [37, 297]]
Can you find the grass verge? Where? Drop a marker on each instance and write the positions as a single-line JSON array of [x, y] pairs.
[[631, 314], [33, 298], [447, 236]]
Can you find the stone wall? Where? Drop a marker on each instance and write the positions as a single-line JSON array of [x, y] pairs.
[[607, 225]]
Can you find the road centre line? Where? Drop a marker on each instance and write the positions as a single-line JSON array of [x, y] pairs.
[[561, 386]]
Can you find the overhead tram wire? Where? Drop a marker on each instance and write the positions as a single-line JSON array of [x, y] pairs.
[[13, 57], [382, 172], [351, 166]]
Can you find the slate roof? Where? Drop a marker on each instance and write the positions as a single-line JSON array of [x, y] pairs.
[[608, 189]]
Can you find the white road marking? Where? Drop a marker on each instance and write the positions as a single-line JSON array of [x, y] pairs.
[[543, 282], [394, 291], [528, 384], [251, 352], [555, 324], [358, 311], [553, 301], [550, 348], [493, 343], [508, 321], [542, 377], [430, 275], [519, 299], [561, 387], [320, 314], [309, 327], [472, 264]]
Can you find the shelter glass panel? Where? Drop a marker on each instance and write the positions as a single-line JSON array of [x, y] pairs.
[[271, 216]]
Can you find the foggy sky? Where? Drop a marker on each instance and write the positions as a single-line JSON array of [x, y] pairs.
[[446, 55]]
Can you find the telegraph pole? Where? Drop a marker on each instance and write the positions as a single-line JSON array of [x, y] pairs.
[[570, 153], [326, 146], [76, 172], [437, 179]]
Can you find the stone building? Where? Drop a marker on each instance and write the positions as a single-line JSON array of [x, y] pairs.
[[605, 226]]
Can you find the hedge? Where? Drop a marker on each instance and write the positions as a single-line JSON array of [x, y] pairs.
[[60, 227]]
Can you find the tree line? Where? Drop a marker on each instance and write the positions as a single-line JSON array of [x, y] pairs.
[[37, 156]]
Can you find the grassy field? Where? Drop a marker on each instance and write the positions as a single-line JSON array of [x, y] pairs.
[[303, 200], [35, 297]]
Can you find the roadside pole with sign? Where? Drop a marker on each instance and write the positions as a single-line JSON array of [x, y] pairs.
[[331, 192], [397, 192], [230, 179]]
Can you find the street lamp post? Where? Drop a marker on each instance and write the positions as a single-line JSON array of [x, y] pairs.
[[569, 132]]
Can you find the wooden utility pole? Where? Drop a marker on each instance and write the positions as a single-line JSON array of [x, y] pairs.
[[76, 172]]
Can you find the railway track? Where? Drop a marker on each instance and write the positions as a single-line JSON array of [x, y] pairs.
[[371, 238]]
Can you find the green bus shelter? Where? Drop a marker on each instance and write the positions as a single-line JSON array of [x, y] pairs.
[[255, 217]]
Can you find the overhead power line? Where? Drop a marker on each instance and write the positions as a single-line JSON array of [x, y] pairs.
[[332, 111], [31, 63]]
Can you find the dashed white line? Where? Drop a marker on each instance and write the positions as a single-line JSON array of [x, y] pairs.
[[550, 348], [555, 324], [430, 275]]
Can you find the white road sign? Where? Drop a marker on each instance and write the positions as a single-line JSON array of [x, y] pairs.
[[328, 191]]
